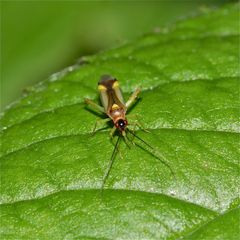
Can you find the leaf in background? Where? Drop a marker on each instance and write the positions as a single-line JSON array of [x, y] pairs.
[[52, 168]]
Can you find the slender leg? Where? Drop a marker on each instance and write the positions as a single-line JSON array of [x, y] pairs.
[[132, 98], [131, 139], [100, 121], [137, 122], [112, 131], [111, 138], [126, 140], [94, 105], [110, 163]]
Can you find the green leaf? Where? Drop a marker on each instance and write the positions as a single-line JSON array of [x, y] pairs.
[[52, 167]]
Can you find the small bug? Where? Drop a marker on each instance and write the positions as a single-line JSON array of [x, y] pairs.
[[113, 103], [115, 108]]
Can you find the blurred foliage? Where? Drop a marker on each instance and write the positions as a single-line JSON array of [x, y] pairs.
[[41, 37]]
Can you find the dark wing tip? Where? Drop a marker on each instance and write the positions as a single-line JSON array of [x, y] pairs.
[[105, 78]]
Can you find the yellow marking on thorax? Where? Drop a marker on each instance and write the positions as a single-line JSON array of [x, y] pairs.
[[115, 84], [115, 106], [101, 88]]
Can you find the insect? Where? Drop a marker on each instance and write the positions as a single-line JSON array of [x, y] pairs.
[[115, 108]]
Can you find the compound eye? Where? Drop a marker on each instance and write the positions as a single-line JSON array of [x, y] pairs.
[[121, 124]]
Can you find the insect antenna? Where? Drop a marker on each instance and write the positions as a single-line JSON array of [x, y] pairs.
[[126, 140], [154, 151], [111, 162], [130, 131]]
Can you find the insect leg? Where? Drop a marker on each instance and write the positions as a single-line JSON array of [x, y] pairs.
[[100, 121], [132, 98], [112, 131], [118, 149], [127, 140], [94, 105], [137, 122], [110, 163]]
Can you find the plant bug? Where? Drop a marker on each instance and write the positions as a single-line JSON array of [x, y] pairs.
[[115, 108]]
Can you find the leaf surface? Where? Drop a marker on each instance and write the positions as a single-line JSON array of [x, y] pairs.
[[52, 167]]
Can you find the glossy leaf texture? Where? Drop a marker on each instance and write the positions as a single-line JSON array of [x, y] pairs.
[[52, 166]]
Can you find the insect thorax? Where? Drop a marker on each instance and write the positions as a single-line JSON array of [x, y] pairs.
[[116, 112]]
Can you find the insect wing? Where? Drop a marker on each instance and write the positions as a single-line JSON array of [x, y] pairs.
[[110, 94], [103, 96]]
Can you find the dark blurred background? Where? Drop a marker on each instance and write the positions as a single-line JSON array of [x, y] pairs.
[[39, 38]]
